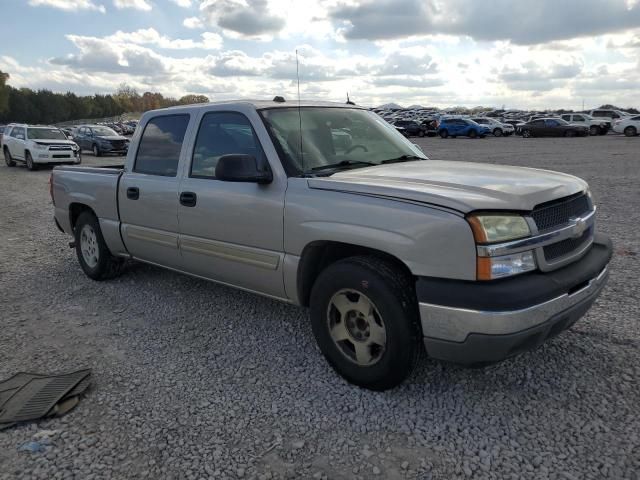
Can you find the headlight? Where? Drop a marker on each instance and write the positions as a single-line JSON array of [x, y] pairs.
[[39, 146], [490, 268], [489, 228]]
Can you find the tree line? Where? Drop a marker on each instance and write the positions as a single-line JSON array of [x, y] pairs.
[[46, 107]]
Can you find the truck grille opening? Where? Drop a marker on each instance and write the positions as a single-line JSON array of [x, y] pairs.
[[557, 213], [566, 247]]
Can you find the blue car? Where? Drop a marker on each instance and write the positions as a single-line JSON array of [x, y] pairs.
[[462, 127]]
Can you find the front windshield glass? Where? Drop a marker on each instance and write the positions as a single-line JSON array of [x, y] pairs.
[[46, 134], [104, 131], [333, 135]]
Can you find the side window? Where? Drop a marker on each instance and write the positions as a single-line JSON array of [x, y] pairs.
[[636, 119], [598, 114], [538, 123], [222, 133], [160, 145], [551, 123], [567, 118], [17, 131], [578, 118]]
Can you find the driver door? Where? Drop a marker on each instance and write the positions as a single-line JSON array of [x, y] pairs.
[[231, 232]]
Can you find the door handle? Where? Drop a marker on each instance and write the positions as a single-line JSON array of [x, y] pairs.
[[133, 193], [188, 199]]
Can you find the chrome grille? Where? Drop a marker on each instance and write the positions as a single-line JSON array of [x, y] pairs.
[[558, 213], [60, 147], [565, 247]]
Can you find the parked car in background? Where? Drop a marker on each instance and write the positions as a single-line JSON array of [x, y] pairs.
[[553, 127], [413, 128], [497, 128], [516, 124], [35, 145], [630, 126], [607, 116], [461, 127], [101, 140], [430, 127], [596, 126], [393, 253]]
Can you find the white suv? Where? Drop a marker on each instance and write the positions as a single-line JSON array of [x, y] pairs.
[[607, 116], [37, 144], [597, 126], [630, 126]]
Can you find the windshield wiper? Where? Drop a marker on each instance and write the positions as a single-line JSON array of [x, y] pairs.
[[402, 158], [343, 163]]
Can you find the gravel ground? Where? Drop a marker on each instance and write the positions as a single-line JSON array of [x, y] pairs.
[[194, 380]]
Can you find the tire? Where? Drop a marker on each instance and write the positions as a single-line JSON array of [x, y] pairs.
[[29, 161], [526, 134], [92, 251], [594, 130], [444, 133], [356, 283], [421, 133], [8, 159], [569, 133], [473, 134], [498, 132], [630, 132], [96, 151]]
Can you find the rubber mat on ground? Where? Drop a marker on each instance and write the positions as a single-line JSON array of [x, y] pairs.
[[28, 396]]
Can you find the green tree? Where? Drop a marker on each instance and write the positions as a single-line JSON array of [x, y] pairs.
[[190, 99], [4, 92]]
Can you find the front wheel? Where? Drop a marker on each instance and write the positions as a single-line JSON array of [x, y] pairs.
[[526, 134], [630, 131], [444, 133], [473, 134], [92, 251], [421, 133], [96, 151], [29, 161], [365, 320], [569, 133], [497, 132], [8, 159], [594, 130]]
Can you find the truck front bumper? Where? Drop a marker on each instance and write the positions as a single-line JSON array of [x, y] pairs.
[[475, 323]]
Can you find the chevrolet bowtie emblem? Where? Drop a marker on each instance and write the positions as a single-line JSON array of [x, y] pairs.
[[579, 227]]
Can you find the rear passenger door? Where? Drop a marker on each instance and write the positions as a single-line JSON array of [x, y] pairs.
[[231, 232], [148, 193]]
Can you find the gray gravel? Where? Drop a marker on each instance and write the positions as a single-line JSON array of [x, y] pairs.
[[194, 380]]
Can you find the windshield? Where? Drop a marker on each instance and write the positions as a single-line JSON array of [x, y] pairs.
[[333, 135], [104, 131], [45, 134]]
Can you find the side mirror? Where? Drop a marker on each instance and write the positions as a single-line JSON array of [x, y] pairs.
[[243, 168]]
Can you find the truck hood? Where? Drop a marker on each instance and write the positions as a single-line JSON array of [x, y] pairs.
[[55, 142], [461, 186]]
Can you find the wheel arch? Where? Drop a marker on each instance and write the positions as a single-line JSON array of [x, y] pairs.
[[76, 209], [318, 255]]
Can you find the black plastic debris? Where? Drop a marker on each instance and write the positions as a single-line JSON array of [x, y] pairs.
[[30, 396]]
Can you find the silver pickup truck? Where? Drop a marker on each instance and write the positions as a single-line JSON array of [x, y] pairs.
[[327, 206]]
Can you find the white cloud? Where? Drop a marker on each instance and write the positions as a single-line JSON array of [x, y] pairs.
[[193, 22], [182, 3], [135, 4], [150, 36], [69, 5]]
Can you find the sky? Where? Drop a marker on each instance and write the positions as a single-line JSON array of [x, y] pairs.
[[495, 53]]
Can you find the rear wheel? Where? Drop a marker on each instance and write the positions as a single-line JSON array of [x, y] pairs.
[[630, 131], [92, 251], [96, 151], [444, 133], [421, 133], [29, 161], [8, 159], [526, 134], [364, 317], [497, 132]]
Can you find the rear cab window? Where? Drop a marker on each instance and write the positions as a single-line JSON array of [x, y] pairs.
[[160, 145]]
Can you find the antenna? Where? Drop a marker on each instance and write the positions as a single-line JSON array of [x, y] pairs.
[[299, 111]]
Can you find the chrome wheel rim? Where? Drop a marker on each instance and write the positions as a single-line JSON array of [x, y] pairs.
[[95, 150], [89, 246], [356, 327]]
